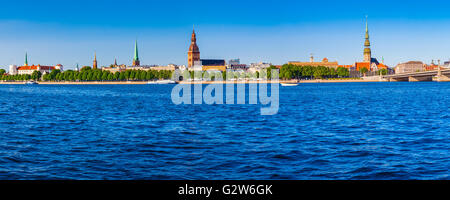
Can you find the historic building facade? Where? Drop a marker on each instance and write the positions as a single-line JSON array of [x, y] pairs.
[[43, 69], [409, 67], [325, 63], [213, 64], [29, 69]]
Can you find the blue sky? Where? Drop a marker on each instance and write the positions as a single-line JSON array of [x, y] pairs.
[[69, 32]]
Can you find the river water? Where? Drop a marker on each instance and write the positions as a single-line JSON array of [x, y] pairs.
[[322, 131]]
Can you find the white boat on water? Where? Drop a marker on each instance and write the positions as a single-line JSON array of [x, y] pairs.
[[31, 83], [161, 82], [289, 84]]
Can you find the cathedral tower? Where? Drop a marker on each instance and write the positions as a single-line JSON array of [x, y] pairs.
[[94, 65], [136, 61], [367, 51], [194, 52]]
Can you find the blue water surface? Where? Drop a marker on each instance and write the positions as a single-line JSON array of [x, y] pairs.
[[322, 131]]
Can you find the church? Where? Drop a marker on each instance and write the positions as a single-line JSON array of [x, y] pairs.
[[29, 69], [371, 64], [205, 64]]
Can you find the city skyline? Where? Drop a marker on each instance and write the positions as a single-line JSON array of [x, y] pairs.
[[398, 37]]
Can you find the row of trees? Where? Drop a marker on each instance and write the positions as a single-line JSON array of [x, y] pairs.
[[36, 75], [88, 74], [231, 74], [288, 71]]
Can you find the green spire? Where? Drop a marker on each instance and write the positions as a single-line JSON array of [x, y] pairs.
[[136, 53], [26, 59]]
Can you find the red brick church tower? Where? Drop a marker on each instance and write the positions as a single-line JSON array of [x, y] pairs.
[[194, 52], [94, 65]]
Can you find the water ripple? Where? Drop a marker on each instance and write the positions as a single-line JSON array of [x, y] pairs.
[[322, 131]]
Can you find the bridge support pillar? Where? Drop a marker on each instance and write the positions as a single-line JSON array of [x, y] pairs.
[[420, 78], [398, 79], [442, 78]]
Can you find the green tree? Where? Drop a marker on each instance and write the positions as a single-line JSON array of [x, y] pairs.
[[143, 75], [110, 77], [36, 75], [382, 72], [122, 76], [363, 70], [269, 71], [320, 72], [89, 76], [85, 68], [105, 75], [342, 72], [332, 72], [46, 77], [27, 77], [307, 71], [127, 74], [116, 76], [98, 75]]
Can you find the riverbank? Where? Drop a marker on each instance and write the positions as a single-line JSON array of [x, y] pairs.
[[82, 83], [190, 82], [282, 81], [340, 81]]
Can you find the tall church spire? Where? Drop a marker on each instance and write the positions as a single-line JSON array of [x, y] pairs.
[[367, 50], [367, 43], [94, 65], [367, 29], [136, 53], [194, 51], [194, 37], [136, 61], [26, 59]]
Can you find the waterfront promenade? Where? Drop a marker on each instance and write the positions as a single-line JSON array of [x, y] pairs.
[[190, 82]]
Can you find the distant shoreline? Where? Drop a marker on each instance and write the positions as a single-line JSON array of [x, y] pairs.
[[186, 82]]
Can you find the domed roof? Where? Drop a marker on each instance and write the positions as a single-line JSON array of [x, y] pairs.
[[194, 48], [367, 50]]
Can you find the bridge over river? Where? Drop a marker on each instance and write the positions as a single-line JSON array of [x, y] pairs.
[[436, 75]]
